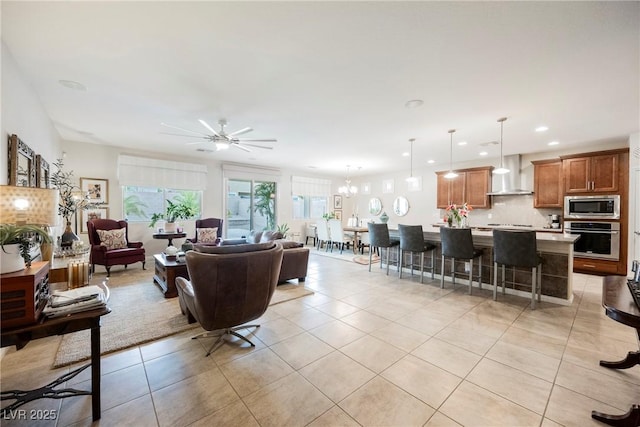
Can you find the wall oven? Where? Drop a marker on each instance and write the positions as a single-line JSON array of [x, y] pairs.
[[599, 240], [592, 207]]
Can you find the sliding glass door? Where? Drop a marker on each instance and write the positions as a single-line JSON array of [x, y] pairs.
[[251, 205]]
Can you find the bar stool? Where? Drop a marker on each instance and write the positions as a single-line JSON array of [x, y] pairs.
[[412, 240], [457, 243], [379, 238], [517, 249]]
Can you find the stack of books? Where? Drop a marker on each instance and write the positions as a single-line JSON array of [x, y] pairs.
[[62, 303]]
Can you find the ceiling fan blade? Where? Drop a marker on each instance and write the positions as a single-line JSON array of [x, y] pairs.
[[257, 140], [183, 129], [240, 132], [203, 136], [205, 124], [254, 145], [241, 147]]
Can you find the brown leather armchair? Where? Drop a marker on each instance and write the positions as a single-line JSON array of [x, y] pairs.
[[228, 287], [207, 223], [116, 249]]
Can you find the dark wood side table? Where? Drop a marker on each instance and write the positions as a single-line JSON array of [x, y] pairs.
[[20, 336], [620, 306], [169, 236], [166, 272]]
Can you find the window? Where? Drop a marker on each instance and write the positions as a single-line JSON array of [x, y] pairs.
[[140, 203], [310, 197]]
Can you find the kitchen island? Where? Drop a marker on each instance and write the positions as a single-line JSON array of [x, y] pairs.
[[557, 270]]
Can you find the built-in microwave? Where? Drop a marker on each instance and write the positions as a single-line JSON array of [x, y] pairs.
[[592, 207]]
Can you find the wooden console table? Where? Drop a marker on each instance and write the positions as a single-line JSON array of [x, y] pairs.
[[20, 336], [620, 306], [166, 272]]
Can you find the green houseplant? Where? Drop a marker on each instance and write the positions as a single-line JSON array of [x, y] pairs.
[[181, 208], [17, 240]]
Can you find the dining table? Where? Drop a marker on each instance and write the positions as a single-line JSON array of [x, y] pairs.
[[355, 231]]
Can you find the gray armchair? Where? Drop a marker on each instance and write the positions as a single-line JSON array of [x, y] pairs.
[[228, 287]]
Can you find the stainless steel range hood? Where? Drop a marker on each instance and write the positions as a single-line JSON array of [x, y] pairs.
[[510, 183]]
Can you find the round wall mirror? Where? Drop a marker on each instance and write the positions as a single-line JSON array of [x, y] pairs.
[[375, 206], [400, 206]]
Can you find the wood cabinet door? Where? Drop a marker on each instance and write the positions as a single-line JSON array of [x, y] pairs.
[[576, 174], [604, 173], [477, 185], [457, 189], [548, 190], [442, 191]]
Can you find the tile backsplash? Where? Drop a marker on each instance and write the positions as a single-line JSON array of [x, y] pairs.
[[512, 210]]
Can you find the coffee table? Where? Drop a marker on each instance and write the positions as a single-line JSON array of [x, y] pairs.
[[166, 272]]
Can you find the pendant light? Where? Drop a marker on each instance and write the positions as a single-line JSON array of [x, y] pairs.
[[501, 170], [451, 174], [348, 190], [411, 177]]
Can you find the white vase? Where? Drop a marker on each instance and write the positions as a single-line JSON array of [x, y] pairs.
[[170, 227], [10, 259]]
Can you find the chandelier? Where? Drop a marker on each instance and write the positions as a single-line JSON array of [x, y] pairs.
[[348, 190]]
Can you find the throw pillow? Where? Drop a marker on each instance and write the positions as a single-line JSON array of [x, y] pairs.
[[206, 235], [269, 235], [254, 237], [113, 239]]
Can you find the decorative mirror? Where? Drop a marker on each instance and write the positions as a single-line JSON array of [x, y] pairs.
[[22, 170], [42, 172], [375, 206], [400, 206]]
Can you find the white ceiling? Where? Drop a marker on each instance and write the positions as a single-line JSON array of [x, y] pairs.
[[330, 80]]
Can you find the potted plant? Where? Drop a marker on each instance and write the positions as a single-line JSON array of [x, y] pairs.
[[181, 208], [16, 242]]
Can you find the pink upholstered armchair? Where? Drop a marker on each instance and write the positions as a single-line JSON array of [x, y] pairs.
[[110, 244]]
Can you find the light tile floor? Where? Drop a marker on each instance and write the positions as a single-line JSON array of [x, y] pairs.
[[365, 349]]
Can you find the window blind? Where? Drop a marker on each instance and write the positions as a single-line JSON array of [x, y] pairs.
[[305, 186], [147, 172]]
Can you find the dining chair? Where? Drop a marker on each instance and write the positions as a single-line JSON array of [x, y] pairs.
[[412, 241], [310, 233], [337, 235], [517, 249], [379, 238], [457, 243], [322, 234]]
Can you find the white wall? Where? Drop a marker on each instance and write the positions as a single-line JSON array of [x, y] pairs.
[[23, 115]]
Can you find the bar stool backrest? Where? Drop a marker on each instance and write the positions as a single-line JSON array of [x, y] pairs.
[[515, 248], [411, 238], [379, 235], [456, 242]]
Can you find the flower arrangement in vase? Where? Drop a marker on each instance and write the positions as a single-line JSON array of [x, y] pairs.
[[457, 213]]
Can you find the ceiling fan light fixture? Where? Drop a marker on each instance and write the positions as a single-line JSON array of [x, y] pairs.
[[222, 146], [501, 170], [451, 174]]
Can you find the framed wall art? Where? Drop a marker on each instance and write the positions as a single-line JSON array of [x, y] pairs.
[[22, 163], [338, 215], [89, 214], [337, 201], [42, 172], [96, 188]]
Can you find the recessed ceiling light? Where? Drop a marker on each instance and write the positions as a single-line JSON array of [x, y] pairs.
[[405, 154], [553, 143], [483, 153], [462, 143], [414, 103], [70, 84], [542, 129], [431, 161]]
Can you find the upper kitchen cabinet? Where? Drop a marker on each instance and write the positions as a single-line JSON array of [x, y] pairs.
[[548, 189], [470, 186], [593, 173]]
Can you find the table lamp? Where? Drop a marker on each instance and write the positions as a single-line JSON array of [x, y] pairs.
[[30, 206]]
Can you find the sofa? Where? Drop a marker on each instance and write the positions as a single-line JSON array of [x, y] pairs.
[[295, 256]]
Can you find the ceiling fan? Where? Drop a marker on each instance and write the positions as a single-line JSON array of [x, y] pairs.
[[221, 138]]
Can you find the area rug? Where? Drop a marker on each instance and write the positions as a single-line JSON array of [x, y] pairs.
[[364, 259], [140, 314]]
